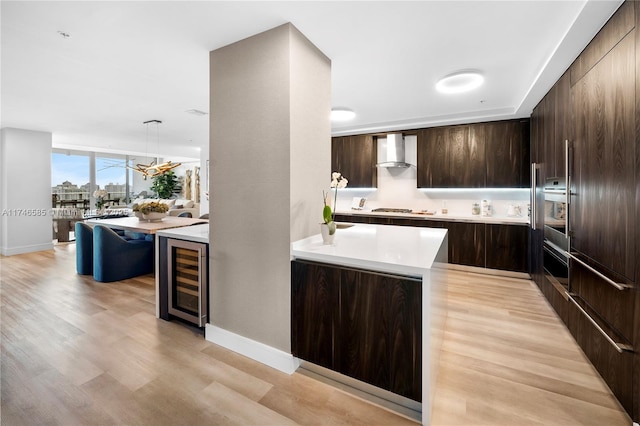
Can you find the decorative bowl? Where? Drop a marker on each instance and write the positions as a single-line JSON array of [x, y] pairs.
[[153, 216]]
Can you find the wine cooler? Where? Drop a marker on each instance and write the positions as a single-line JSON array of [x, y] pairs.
[[187, 273]]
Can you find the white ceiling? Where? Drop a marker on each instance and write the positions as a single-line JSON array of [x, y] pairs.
[[128, 62]]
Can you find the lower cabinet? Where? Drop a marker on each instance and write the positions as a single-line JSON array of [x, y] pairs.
[[507, 247], [466, 243], [362, 324]]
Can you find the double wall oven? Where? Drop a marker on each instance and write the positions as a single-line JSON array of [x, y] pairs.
[[556, 233]]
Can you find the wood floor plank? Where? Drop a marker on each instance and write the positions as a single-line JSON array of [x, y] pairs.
[[78, 352]]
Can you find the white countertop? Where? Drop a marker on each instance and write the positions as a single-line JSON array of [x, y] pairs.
[[196, 233], [401, 250], [500, 219]]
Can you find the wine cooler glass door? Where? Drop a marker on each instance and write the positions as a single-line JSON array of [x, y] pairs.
[[187, 291]]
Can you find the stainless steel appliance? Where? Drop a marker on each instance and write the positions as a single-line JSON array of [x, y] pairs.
[[556, 213], [391, 210], [187, 273]]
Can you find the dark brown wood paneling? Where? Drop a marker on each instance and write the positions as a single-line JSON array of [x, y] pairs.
[[563, 123], [467, 156], [603, 221], [613, 366], [433, 158], [507, 247], [549, 133], [507, 154], [466, 243], [620, 24], [365, 328], [315, 297], [355, 157], [405, 337]]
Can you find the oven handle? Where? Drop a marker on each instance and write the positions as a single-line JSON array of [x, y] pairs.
[[619, 286], [620, 347]]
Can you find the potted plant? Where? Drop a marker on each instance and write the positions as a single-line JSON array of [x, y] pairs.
[[152, 210], [165, 185], [328, 228]]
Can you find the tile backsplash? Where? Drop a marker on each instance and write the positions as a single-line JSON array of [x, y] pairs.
[[397, 188]]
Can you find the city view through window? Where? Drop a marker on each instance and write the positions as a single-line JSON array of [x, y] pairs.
[[75, 176]]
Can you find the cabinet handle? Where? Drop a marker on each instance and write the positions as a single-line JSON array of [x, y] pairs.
[[620, 347], [619, 286], [534, 184], [567, 182]]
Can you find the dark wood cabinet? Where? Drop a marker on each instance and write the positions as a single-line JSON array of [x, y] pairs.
[[466, 243], [363, 324], [493, 155], [507, 247], [507, 154], [381, 331], [467, 157], [595, 105], [433, 158], [355, 157], [603, 173], [315, 294]]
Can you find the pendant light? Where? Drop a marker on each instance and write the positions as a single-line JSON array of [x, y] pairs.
[[152, 169]]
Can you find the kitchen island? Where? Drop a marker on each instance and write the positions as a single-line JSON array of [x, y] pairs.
[[368, 311]]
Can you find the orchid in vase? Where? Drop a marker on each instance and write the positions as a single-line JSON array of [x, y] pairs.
[[337, 181]]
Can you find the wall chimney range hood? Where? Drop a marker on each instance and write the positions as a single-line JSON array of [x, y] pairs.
[[394, 155]]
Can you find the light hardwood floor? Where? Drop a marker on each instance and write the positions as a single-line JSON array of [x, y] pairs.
[[78, 352]]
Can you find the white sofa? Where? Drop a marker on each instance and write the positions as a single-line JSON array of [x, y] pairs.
[[176, 206]]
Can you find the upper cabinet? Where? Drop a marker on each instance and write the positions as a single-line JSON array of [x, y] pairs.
[[483, 155], [355, 157], [507, 154]]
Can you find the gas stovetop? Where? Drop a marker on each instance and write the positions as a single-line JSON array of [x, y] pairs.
[[389, 210]]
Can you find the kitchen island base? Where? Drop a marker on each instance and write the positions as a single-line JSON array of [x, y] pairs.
[[371, 310]]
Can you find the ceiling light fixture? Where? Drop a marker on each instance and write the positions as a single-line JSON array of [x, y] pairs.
[[460, 81], [342, 114], [152, 169], [195, 112]]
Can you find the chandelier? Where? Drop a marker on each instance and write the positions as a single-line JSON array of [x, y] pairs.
[[153, 169]]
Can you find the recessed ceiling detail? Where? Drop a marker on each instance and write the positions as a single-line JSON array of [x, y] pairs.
[[460, 82]]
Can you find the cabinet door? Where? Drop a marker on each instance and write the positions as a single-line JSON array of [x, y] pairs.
[[355, 157], [433, 158], [507, 154], [315, 296], [507, 247], [380, 331], [549, 133], [467, 156], [466, 243], [602, 209], [563, 123]]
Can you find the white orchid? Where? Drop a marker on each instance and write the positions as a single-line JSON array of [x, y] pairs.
[[337, 181]]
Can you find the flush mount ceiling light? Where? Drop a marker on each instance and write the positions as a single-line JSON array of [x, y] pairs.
[[459, 82], [342, 114]]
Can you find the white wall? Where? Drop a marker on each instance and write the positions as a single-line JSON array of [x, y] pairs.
[[397, 188], [270, 152], [25, 191]]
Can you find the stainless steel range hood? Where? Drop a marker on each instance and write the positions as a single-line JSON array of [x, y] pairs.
[[394, 155]]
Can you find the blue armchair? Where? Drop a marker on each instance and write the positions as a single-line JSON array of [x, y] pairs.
[[84, 249], [117, 259]]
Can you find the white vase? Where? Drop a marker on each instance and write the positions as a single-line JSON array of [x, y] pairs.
[[324, 231]]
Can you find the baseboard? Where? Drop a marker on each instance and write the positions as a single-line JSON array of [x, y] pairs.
[[265, 354], [10, 251]]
